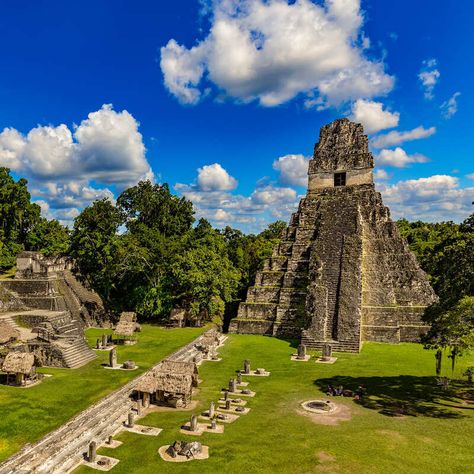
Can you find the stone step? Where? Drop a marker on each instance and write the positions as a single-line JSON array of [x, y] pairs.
[[337, 346], [263, 294], [77, 353]]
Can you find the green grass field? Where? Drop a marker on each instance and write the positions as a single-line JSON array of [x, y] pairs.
[[27, 414], [435, 435]]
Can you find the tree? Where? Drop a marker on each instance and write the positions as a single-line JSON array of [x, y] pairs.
[[94, 243], [153, 206], [274, 230], [48, 237], [444, 251], [248, 252], [469, 373], [157, 223], [18, 215], [203, 276], [452, 330]]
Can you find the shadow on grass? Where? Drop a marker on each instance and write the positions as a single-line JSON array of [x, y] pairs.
[[294, 343], [404, 395]]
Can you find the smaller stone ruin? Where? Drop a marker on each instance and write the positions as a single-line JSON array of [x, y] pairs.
[[319, 406], [208, 344], [183, 448], [127, 327], [32, 265], [8, 335], [177, 318], [181, 317], [165, 388], [129, 365], [20, 369]]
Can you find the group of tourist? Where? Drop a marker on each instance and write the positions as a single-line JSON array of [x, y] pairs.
[[341, 392]]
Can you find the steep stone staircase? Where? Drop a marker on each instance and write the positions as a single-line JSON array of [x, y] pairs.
[[275, 305], [337, 346], [75, 352], [66, 335]]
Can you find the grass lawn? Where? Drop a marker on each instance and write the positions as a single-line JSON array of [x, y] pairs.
[[433, 437], [27, 414]]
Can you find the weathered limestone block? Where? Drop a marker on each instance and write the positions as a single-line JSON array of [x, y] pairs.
[[269, 278], [113, 357], [92, 455], [193, 424], [301, 352]]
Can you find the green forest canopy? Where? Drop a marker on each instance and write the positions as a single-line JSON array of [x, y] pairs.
[[147, 253]]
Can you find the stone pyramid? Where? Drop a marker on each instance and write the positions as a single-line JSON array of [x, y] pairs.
[[341, 274]]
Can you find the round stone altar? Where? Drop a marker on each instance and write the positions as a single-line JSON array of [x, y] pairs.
[[319, 406]]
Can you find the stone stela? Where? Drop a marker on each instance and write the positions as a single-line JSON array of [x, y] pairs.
[[113, 358], [92, 455], [341, 273]]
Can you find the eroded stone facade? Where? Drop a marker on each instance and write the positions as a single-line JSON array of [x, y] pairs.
[[341, 272]]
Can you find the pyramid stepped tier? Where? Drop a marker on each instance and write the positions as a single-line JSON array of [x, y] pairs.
[[341, 273], [55, 307], [61, 293]]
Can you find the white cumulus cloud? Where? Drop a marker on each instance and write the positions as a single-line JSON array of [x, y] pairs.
[[381, 175], [215, 178], [396, 138], [434, 198], [214, 200], [398, 158], [372, 116], [429, 76], [272, 195], [61, 163], [293, 169], [273, 50], [450, 107], [105, 147]]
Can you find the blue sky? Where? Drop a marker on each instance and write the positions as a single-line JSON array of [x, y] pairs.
[[224, 100]]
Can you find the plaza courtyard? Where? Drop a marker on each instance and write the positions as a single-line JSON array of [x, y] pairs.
[[404, 423], [30, 413]]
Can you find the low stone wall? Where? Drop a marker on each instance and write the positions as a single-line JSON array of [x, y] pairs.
[[46, 354], [28, 287], [251, 326], [9, 301]]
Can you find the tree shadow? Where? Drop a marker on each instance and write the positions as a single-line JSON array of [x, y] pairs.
[[294, 343], [404, 395]]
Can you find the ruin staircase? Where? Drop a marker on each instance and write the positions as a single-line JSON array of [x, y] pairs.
[[337, 346], [75, 352], [275, 305]]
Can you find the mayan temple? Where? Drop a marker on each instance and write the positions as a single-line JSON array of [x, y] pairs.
[[341, 274]]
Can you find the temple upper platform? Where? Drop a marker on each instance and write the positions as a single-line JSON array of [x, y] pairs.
[[341, 157]]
